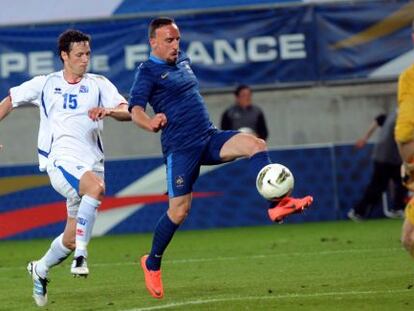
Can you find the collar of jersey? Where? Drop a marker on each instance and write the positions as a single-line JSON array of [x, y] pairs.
[[157, 60]]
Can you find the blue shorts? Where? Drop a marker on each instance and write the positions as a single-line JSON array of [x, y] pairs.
[[183, 166]]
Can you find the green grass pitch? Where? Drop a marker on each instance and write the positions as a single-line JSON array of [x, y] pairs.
[[315, 266]]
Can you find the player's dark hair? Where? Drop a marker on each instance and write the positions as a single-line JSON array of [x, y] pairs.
[[158, 23], [68, 37], [240, 88]]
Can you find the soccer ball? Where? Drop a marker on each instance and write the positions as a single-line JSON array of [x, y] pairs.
[[274, 182]]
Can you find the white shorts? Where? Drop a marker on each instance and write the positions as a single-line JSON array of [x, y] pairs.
[[65, 177]]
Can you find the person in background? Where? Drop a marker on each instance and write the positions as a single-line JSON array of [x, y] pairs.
[[244, 116], [387, 165]]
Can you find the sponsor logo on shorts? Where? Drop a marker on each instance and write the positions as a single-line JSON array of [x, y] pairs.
[[80, 232], [179, 181]]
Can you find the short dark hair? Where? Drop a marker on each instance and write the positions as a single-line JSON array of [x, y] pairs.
[[158, 23], [68, 37], [240, 88]]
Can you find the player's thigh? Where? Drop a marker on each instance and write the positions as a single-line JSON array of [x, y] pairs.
[[65, 179], [183, 168], [66, 174], [91, 183], [241, 145]]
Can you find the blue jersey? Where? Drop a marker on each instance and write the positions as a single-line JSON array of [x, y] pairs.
[[173, 89]]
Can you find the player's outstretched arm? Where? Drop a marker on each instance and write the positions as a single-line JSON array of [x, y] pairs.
[[5, 107], [154, 124], [119, 113], [361, 142]]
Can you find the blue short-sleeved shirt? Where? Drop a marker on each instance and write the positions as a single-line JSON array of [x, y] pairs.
[[173, 90]]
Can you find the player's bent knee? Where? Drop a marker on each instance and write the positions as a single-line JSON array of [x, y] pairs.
[[178, 216], [97, 190], [259, 145], [178, 211]]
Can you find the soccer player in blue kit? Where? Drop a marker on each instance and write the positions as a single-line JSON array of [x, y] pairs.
[[188, 138]]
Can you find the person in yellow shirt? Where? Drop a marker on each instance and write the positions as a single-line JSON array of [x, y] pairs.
[[404, 136]]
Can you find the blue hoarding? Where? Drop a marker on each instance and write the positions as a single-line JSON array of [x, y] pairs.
[[224, 196], [293, 44]]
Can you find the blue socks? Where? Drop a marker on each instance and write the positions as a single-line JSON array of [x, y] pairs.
[[163, 234], [165, 229], [258, 161]]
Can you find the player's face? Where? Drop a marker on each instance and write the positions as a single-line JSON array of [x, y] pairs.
[[166, 43], [77, 60], [245, 97]]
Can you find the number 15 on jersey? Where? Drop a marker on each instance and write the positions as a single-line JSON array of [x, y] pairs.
[[70, 101]]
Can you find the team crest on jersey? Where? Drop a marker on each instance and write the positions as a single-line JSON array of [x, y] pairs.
[[179, 181], [58, 90], [83, 89]]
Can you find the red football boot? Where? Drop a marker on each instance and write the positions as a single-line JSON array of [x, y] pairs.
[[153, 280], [288, 206]]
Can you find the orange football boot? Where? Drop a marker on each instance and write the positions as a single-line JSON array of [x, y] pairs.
[[153, 280], [288, 206]]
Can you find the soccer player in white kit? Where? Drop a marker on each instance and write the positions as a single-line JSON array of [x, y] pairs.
[[72, 104]]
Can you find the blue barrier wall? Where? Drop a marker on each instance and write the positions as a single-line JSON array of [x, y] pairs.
[[224, 196]]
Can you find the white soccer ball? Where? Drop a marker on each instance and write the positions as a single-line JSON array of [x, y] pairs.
[[274, 182]]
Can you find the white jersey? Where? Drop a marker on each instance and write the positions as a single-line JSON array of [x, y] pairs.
[[66, 132]]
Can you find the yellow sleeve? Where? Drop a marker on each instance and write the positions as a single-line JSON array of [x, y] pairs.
[[406, 84], [404, 127]]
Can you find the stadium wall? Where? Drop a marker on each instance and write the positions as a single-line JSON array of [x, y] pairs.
[[313, 115]]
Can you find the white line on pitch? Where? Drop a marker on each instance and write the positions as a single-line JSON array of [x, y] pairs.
[[287, 296], [229, 258]]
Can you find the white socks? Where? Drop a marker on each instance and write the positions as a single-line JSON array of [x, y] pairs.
[[55, 255], [85, 220], [57, 251]]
